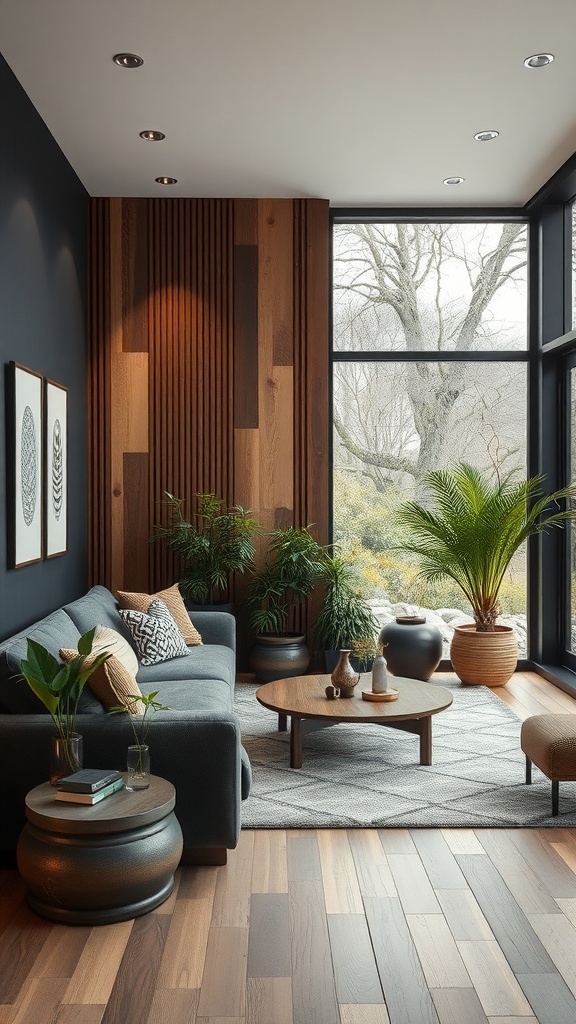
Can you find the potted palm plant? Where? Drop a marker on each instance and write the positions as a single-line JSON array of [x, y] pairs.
[[470, 536], [345, 618], [287, 577], [217, 543]]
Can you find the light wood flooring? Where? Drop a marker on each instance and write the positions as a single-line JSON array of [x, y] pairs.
[[359, 926]]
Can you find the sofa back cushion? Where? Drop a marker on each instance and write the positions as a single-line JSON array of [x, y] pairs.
[[97, 608], [53, 632]]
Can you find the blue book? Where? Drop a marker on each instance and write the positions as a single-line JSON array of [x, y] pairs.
[[90, 798]]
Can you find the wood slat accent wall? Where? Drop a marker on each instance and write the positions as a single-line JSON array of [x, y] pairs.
[[208, 369]]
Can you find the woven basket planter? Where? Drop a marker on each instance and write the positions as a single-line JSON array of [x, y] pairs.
[[486, 659]]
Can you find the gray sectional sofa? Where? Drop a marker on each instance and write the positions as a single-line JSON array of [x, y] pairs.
[[196, 745]]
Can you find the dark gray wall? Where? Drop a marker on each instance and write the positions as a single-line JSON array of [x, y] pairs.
[[43, 251]]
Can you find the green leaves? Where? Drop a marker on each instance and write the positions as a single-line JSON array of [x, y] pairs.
[[218, 542], [286, 578], [475, 527], [140, 723], [59, 687]]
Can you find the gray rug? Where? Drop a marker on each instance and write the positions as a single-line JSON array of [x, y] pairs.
[[368, 776]]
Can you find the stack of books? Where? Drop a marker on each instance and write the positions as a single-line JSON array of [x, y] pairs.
[[89, 786]]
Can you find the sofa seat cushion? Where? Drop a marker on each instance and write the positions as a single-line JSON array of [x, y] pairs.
[[209, 662], [212, 695]]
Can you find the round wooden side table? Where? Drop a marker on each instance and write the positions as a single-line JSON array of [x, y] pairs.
[[101, 863]]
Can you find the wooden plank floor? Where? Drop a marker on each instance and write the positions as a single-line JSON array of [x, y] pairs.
[[360, 926]]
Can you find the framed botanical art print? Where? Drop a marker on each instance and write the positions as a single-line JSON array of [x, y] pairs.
[[55, 469], [24, 405]]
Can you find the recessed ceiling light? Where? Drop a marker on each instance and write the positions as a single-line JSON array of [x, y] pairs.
[[166, 181], [453, 181], [152, 136], [538, 60], [128, 60], [486, 136]]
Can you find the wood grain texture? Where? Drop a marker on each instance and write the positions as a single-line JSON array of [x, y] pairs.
[[460, 1006], [358, 1013], [413, 885], [208, 334], [550, 998], [233, 886], [135, 982], [441, 962], [94, 977], [223, 991], [269, 1001], [405, 991], [464, 917], [511, 927], [270, 868], [494, 981], [441, 866], [341, 890], [22, 941], [372, 868], [173, 1006], [313, 985], [354, 968], [269, 942], [184, 953]]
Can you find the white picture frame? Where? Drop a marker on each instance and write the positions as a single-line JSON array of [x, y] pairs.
[[25, 477], [55, 469]]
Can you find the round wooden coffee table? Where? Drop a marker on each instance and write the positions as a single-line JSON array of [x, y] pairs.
[[303, 699], [99, 864]]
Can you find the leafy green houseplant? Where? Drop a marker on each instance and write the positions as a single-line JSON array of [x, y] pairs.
[[216, 543], [345, 618], [59, 687], [471, 533], [139, 766], [285, 580]]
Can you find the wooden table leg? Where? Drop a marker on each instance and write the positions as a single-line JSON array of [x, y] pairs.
[[282, 723], [426, 740], [295, 742]]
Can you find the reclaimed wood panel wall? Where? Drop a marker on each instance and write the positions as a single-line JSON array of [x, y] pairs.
[[208, 369]]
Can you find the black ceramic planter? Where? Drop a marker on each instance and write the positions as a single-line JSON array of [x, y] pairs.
[[412, 646], [278, 657]]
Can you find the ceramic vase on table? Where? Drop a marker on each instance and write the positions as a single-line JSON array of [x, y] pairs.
[[344, 677], [379, 675]]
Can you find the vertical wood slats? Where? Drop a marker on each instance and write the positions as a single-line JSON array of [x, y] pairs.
[[209, 335]]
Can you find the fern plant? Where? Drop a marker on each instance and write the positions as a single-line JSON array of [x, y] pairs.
[[475, 527], [345, 616], [286, 579], [217, 543]]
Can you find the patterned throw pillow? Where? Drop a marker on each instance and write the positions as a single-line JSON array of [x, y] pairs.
[[155, 633], [112, 683], [173, 600]]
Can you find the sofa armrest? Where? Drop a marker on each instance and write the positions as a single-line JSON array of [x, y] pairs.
[[216, 628], [199, 752]]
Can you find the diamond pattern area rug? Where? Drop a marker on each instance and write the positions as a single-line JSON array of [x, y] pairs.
[[370, 776]]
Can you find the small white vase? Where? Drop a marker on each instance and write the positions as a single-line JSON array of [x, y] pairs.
[[379, 675]]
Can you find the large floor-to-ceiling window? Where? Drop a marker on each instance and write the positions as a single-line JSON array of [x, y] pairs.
[[430, 367]]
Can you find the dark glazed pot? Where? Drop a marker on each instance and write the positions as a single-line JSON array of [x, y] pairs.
[[412, 647], [278, 657]]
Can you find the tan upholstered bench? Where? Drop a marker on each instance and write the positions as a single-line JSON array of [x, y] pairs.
[[549, 741]]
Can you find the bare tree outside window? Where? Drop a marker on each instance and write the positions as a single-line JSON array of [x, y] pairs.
[[427, 290]]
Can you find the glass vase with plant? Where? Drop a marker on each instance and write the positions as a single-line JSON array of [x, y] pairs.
[[217, 543], [60, 687], [138, 760]]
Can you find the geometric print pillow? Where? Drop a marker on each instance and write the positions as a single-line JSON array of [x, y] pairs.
[[155, 633]]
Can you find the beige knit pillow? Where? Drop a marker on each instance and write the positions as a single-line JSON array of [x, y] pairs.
[[112, 683], [107, 639], [173, 600]]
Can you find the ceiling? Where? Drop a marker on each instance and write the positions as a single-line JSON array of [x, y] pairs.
[[362, 102]]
